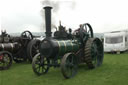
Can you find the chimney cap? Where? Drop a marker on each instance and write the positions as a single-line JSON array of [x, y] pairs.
[[47, 7]]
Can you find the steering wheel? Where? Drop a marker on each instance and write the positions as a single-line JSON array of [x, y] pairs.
[[85, 32], [26, 36]]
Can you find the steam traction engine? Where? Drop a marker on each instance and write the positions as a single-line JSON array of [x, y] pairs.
[[67, 49], [13, 48]]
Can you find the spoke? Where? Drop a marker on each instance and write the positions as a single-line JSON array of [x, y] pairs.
[[0, 62], [35, 47], [67, 63], [30, 36], [72, 71], [37, 62], [45, 62], [88, 31], [38, 68], [4, 64], [85, 28], [44, 69], [72, 60], [25, 34], [33, 53], [68, 71]]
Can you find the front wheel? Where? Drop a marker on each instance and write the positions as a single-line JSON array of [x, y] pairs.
[[40, 64], [5, 60]]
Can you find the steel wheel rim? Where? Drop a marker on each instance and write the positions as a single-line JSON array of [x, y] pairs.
[[69, 65], [35, 47], [94, 54], [88, 29], [97, 53], [26, 35], [5, 61], [40, 64]]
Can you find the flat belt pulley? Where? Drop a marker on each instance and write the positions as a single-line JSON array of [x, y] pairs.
[[85, 32]]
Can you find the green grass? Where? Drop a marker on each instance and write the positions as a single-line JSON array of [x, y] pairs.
[[114, 71]]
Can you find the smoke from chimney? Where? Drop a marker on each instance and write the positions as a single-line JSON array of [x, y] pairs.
[[56, 4]]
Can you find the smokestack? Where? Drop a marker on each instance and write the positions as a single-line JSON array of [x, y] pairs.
[[48, 20]]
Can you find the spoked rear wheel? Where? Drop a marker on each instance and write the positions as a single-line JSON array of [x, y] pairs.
[[33, 49], [93, 52], [69, 65], [5, 60], [40, 64]]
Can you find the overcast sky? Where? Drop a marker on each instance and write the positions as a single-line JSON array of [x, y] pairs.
[[103, 15]]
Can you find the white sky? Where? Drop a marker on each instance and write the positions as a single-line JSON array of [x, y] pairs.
[[103, 15]]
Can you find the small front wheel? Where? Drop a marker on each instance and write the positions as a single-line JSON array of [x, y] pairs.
[[40, 64], [5, 60]]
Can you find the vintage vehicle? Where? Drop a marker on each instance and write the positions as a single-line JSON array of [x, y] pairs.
[[67, 50], [13, 48], [116, 41]]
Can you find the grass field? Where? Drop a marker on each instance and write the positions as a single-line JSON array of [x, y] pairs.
[[114, 71]]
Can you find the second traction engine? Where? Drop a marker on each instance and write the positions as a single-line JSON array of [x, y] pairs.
[[13, 48]]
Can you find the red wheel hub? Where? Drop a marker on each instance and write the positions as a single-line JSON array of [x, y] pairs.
[[1, 57]]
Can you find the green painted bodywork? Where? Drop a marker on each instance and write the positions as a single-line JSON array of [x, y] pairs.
[[68, 46]]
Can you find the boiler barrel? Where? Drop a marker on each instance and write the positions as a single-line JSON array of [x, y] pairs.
[[67, 46], [52, 47], [8, 46]]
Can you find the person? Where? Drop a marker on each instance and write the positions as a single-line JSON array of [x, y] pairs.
[[77, 31], [5, 37]]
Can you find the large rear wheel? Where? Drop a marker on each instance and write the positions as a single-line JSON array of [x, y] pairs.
[[33, 49], [93, 52], [69, 65]]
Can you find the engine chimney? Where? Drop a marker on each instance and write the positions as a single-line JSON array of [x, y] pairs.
[[48, 20]]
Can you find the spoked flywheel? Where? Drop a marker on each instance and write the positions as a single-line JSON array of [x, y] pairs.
[[69, 65], [86, 32], [27, 34], [26, 37], [93, 52], [5, 60], [40, 64]]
